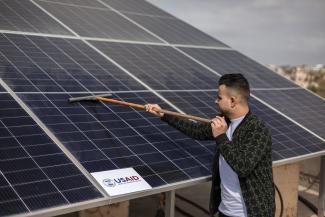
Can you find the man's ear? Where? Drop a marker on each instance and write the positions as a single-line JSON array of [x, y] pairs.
[[235, 100]]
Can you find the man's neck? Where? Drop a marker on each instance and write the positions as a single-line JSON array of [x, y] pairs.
[[242, 111]]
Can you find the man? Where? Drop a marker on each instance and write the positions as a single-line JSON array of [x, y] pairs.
[[242, 180]]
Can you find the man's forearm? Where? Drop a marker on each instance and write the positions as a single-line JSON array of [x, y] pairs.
[[195, 130]]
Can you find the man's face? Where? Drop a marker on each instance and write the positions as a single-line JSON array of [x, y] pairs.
[[223, 100]]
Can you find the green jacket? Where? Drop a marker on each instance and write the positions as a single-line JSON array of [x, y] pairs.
[[249, 154]]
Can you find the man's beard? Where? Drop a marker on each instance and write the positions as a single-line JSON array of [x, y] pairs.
[[222, 113]]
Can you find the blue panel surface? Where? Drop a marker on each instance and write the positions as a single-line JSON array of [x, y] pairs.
[[97, 22], [87, 3], [175, 31], [136, 6], [230, 61], [164, 25], [302, 106], [160, 67], [289, 140], [16, 15], [28, 159], [40, 64]]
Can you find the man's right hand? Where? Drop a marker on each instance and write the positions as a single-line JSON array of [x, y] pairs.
[[151, 108]]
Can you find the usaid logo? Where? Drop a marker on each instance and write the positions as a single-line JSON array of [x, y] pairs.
[[120, 181]]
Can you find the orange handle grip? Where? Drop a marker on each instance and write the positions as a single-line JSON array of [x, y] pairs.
[[120, 102]]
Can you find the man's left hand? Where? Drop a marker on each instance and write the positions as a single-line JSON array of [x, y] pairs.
[[219, 126]]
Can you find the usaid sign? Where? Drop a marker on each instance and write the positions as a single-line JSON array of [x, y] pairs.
[[121, 181]]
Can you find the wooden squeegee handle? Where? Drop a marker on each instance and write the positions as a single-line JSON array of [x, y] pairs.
[[177, 114]]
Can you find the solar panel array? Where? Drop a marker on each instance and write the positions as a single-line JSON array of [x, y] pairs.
[[51, 50]]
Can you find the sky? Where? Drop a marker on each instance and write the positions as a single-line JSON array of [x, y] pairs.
[[281, 32]]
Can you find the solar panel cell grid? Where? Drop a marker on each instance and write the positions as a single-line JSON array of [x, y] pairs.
[[32, 64], [175, 31], [27, 157], [87, 3], [136, 6], [230, 61], [160, 67], [300, 105], [24, 16], [10, 203], [96, 22]]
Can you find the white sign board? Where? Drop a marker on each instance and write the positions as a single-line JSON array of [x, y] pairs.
[[121, 181]]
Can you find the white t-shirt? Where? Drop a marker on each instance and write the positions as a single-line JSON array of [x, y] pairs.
[[232, 202]]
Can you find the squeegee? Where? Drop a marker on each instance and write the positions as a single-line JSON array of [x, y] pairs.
[[102, 98]]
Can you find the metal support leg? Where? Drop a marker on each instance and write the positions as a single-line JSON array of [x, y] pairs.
[[170, 204], [321, 198]]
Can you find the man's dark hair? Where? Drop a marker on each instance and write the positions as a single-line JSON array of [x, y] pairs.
[[237, 82]]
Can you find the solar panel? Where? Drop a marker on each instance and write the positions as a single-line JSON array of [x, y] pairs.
[[44, 71], [289, 140], [87, 3], [110, 137], [97, 22], [10, 203], [162, 67], [32, 64], [175, 31], [73, 127], [300, 105], [34, 172], [136, 6], [24, 16], [230, 61]]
